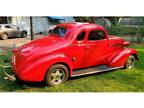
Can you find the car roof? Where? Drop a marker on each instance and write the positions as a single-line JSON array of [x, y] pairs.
[[7, 24], [80, 25]]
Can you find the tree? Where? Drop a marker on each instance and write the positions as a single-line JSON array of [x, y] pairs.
[[114, 20], [84, 19]]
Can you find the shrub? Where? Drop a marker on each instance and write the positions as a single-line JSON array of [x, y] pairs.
[[123, 30], [135, 32]]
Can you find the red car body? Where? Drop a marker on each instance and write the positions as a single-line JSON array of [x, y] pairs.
[[31, 61]]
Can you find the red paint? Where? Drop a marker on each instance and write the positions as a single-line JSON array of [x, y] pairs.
[[31, 61]]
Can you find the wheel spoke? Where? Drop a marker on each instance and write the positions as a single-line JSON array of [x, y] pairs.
[[53, 75], [61, 74], [57, 72]]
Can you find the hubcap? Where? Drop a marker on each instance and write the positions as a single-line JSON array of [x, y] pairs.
[[4, 36], [130, 62], [57, 76]]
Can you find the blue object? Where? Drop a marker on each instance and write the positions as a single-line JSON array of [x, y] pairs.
[[56, 17]]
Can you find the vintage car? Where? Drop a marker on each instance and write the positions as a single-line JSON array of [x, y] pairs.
[[71, 49]]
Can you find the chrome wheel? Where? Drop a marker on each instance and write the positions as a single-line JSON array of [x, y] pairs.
[[57, 76], [130, 62]]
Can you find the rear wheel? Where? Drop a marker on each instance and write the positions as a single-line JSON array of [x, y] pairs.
[[130, 62], [56, 75], [4, 36], [23, 34]]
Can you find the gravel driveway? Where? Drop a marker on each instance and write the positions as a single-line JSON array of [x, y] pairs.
[[11, 42]]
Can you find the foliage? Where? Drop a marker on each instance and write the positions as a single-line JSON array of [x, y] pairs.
[[135, 33], [124, 30], [121, 30], [114, 20], [83, 19]]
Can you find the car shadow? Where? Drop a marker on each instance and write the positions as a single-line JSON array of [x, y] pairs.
[[43, 84]]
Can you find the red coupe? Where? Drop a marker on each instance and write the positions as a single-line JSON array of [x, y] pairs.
[[71, 49]]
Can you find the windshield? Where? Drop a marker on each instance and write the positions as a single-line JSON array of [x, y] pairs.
[[60, 31]]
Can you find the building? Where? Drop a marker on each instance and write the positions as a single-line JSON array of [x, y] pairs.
[[40, 24]]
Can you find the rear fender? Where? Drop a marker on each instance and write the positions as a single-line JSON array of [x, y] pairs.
[[120, 58], [38, 68]]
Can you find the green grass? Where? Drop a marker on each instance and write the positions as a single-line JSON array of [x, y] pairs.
[[122, 80]]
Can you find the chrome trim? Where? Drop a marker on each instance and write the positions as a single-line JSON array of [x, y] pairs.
[[97, 71]]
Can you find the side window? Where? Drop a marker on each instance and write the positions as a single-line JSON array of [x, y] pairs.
[[96, 35], [7, 26], [81, 36]]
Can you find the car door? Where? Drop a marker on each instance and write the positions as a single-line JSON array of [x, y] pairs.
[[95, 49], [76, 50], [15, 31]]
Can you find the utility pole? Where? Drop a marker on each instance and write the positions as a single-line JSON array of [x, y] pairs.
[[31, 27]]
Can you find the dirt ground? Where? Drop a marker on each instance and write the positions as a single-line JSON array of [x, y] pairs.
[[16, 42]]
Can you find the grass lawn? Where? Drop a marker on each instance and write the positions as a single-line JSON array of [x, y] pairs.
[[122, 80]]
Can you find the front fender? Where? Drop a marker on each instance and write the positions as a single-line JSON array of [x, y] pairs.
[[35, 71], [120, 58]]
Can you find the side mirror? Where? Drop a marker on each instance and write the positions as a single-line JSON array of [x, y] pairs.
[[125, 43]]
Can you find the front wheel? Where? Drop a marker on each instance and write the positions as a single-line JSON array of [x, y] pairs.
[[130, 62], [56, 75]]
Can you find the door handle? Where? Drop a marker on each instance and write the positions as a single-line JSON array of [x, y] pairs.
[[87, 47]]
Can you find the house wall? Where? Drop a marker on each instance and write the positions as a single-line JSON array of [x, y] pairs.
[[40, 24]]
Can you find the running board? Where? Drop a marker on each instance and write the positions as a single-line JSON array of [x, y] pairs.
[[93, 70]]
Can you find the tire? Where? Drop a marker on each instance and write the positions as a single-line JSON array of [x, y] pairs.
[[130, 62], [56, 75], [24, 34], [4, 36]]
